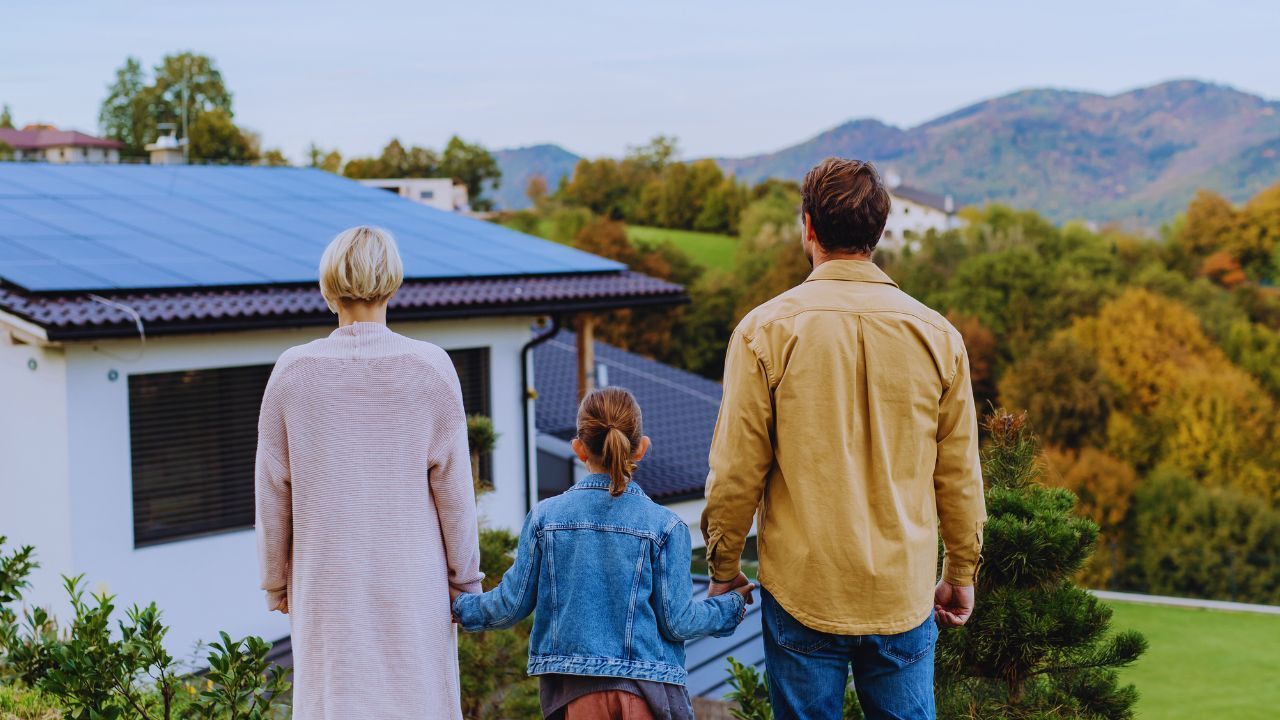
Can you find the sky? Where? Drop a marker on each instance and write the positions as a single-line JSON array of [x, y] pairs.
[[725, 78]]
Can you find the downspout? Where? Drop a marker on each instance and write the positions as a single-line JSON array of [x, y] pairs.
[[529, 395]]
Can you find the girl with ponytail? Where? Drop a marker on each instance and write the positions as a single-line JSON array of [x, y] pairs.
[[605, 570]]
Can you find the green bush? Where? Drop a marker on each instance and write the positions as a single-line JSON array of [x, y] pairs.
[[95, 669]]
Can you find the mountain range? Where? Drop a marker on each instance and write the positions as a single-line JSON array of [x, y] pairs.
[[1136, 157]]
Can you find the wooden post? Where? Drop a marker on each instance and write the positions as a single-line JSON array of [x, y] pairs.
[[585, 329]]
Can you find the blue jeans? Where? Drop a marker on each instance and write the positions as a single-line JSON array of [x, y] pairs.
[[809, 670]]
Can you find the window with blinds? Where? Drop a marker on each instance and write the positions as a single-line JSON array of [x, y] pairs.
[[193, 436]]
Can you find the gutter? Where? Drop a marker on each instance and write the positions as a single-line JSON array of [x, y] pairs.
[[529, 396]]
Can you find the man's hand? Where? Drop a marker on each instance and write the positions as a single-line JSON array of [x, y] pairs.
[[284, 605], [740, 584], [952, 604]]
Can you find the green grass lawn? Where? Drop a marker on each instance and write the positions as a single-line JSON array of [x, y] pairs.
[[1204, 663], [710, 250]]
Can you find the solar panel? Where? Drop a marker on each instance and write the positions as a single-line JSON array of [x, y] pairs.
[[117, 227]]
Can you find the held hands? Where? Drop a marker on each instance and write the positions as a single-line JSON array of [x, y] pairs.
[[740, 585], [284, 605], [952, 604]]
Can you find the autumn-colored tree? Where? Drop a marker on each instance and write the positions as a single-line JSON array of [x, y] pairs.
[[1223, 268], [1207, 227], [1104, 486], [1179, 400], [980, 343], [536, 190], [1062, 386], [1257, 239], [644, 331]]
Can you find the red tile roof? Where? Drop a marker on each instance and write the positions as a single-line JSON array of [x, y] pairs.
[[40, 139], [80, 316]]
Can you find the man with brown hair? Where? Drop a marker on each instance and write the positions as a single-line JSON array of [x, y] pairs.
[[848, 423]]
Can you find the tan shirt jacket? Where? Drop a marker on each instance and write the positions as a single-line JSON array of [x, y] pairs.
[[848, 424]]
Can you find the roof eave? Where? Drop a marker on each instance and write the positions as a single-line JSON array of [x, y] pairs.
[[269, 322]]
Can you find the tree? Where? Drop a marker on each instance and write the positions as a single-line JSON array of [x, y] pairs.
[[395, 162], [6, 118], [183, 87], [473, 166], [215, 138], [1061, 384], [1198, 542], [656, 154], [980, 344], [329, 161], [275, 157], [1037, 646], [536, 190], [128, 112], [192, 82], [1105, 486]]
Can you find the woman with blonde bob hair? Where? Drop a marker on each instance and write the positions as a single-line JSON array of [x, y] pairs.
[[366, 513]]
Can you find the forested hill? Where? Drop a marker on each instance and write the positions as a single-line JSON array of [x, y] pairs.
[[1137, 157]]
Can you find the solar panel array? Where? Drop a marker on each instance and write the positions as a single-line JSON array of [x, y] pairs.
[[115, 227]]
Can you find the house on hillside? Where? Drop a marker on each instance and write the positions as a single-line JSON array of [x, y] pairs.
[[141, 310], [49, 144], [914, 212], [439, 193]]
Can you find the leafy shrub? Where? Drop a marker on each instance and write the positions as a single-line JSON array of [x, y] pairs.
[[94, 671]]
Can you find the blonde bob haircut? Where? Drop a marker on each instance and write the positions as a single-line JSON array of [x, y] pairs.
[[362, 264]]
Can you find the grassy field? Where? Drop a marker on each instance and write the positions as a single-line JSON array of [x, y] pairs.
[[1204, 663], [707, 249]]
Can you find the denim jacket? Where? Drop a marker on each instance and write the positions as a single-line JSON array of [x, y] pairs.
[[610, 580]]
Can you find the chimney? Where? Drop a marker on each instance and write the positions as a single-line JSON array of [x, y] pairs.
[[168, 149]]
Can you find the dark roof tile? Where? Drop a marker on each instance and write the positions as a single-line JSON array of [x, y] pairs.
[[679, 409], [174, 311]]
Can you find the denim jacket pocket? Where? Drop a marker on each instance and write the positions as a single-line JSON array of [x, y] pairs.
[[912, 645]]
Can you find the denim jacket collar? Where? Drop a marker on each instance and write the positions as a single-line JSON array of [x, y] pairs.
[[601, 481]]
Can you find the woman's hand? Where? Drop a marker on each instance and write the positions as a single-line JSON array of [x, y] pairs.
[[284, 604]]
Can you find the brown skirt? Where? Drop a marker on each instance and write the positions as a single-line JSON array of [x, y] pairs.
[[608, 705]]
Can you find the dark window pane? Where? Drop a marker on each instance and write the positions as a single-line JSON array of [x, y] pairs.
[[473, 374], [193, 437]]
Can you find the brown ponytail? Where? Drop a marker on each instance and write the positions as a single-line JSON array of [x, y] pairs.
[[609, 425]]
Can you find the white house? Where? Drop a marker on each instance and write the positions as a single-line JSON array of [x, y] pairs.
[[439, 193], [141, 310], [915, 212], [49, 144]]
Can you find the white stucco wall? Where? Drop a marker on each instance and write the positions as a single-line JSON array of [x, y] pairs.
[[205, 584], [907, 216], [34, 462]]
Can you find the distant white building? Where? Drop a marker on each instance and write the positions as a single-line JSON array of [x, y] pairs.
[[49, 144], [439, 193], [915, 212]]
